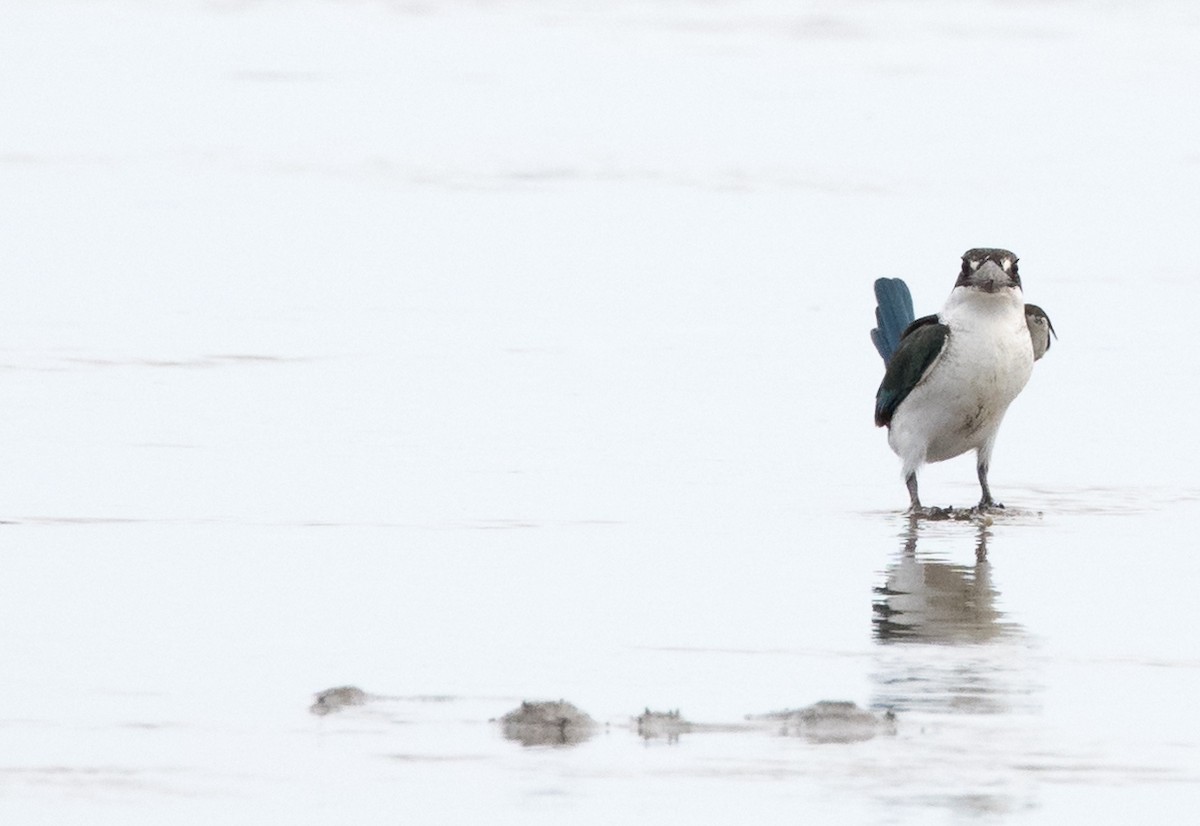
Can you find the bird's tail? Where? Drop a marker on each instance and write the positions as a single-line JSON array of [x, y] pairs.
[[894, 312]]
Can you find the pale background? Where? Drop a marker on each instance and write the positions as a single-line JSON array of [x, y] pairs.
[[504, 350]]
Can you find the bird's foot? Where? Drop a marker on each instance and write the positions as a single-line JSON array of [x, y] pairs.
[[987, 506], [932, 513], [950, 513]]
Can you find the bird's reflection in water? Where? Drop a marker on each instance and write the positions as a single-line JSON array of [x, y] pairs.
[[944, 643], [927, 600]]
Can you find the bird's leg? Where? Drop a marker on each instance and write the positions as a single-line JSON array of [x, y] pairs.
[[915, 508], [986, 501], [914, 499]]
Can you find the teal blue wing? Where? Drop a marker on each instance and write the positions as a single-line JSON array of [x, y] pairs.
[[918, 349]]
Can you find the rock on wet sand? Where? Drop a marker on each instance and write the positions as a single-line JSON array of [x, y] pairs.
[[830, 721], [547, 723], [336, 699]]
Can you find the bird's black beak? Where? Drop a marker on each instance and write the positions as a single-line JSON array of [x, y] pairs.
[[991, 278]]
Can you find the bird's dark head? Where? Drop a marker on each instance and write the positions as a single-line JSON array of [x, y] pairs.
[[990, 270]]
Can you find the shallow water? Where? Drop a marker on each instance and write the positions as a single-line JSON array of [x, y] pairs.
[[472, 354]]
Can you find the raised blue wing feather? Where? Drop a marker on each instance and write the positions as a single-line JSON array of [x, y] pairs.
[[893, 314]]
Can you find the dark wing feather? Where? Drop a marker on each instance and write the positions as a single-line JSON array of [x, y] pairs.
[[893, 313], [1040, 329], [920, 345]]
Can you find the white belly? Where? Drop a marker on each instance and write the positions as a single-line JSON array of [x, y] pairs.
[[959, 404]]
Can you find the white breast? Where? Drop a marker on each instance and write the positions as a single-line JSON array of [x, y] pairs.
[[959, 404]]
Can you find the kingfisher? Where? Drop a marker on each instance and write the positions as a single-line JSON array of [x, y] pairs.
[[950, 377]]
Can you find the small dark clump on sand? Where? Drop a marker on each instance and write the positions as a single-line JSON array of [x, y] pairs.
[[668, 724], [547, 723], [335, 699]]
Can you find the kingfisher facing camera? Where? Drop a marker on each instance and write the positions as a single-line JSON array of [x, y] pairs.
[[950, 377]]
